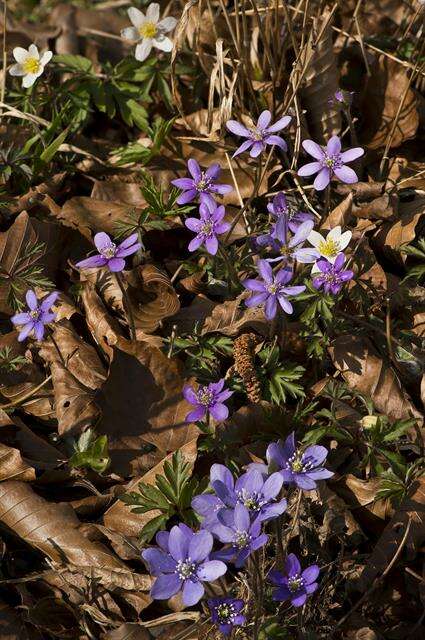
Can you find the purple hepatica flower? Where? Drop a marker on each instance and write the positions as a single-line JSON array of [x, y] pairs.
[[182, 563], [244, 536], [291, 249], [208, 226], [208, 399], [37, 316], [260, 135], [294, 585], [332, 276], [226, 613], [272, 290], [202, 183], [298, 467], [110, 255], [341, 98], [330, 162], [280, 207]]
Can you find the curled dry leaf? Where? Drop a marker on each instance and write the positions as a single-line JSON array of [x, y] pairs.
[[392, 235], [365, 371], [12, 466], [105, 329], [90, 216], [384, 89], [12, 625], [154, 283], [232, 316], [119, 517], [341, 215]]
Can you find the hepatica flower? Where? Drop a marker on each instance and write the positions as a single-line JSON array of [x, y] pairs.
[[332, 276], [329, 163], [181, 563], [260, 135], [296, 466], [29, 64], [341, 98], [208, 400], [208, 226], [280, 207], [148, 31], [331, 246], [294, 585], [291, 249], [201, 184], [243, 536], [38, 315], [272, 290], [226, 613], [110, 255]]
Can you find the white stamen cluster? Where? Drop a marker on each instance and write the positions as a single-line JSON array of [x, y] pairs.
[[295, 583], [185, 569], [203, 183], [226, 612], [205, 396], [332, 162], [297, 464], [242, 539], [252, 501], [109, 250]]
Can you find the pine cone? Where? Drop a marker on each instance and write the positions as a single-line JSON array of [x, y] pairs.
[[243, 353]]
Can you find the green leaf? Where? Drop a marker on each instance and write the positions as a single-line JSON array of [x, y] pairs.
[[151, 527], [48, 153], [74, 63]]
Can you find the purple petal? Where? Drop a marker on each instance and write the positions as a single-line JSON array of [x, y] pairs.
[[311, 588], [288, 476], [315, 454], [211, 570], [166, 586], [320, 474], [197, 414], [313, 149], [190, 395], [270, 309], [276, 577], [116, 264], [222, 473], [272, 486], [128, 242], [309, 169], [187, 196], [352, 154], [294, 291], [259, 542], [192, 592], [205, 504], [277, 141], [49, 300], [324, 265], [346, 174], [256, 149], [242, 520], [237, 128], [47, 317], [243, 147], [213, 171], [311, 573], [251, 481], [222, 228], [92, 262], [285, 304], [21, 318], [102, 240], [25, 331], [123, 252], [224, 534], [275, 455], [304, 482], [256, 300], [161, 539], [273, 510], [265, 270], [292, 565], [224, 395], [242, 557], [302, 233], [39, 331], [322, 180], [222, 189], [200, 546], [31, 299], [194, 169], [283, 276], [279, 124], [298, 601], [158, 561], [306, 255], [178, 543], [195, 243], [333, 147], [339, 261], [211, 245], [183, 183], [219, 412], [281, 594], [254, 285], [289, 446], [264, 120], [346, 275]]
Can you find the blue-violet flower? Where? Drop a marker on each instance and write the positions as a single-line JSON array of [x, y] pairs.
[[272, 289], [207, 400], [226, 613], [332, 276], [202, 183], [294, 585], [37, 316], [259, 135], [110, 255], [208, 226], [330, 162]]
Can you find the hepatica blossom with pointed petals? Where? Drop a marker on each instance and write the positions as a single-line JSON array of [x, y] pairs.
[[297, 466], [148, 31], [329, 163], [294, 585], [226, 613], [331, 246], [280, 207], [260, 135], [181, 563], [202, 184], [272, 290], [110, 255], [29, 64], [208, 400], [243, 535], [291, 249], [332, 276], [209, 224], [37, 316]]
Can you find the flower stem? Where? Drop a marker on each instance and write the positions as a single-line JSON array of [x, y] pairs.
[[259, 593], [127, 305]]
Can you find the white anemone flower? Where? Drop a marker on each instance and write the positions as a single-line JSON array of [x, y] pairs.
[[29, 64], [148, 31], [334, 243]]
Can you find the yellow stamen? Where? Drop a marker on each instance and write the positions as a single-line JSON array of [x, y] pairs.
[[329, 248], [148, 30], [31, 65]]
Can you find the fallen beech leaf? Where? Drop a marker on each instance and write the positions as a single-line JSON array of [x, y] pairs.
[[364, 370], [232, 316], [123, 193], [341, 215], [381, 99], [338, 517], [119, 517], [385, 206], [128, 631], [36, 451], [152, 282], [391, 236], [363, 492], [105, 329], [13, 467], [90, 216]]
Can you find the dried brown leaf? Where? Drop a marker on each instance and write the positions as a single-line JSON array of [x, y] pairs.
[[90, 216]]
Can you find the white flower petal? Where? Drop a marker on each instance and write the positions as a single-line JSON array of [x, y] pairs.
[[315, 238], [164, 44], [130, 33], [136, 16], [16, 70], [46, 57], [167, 24], [334, 234], [143, 49], [315, 268], [28, 80], [33, 51], [344, 239], [152, 12], [20, 54]]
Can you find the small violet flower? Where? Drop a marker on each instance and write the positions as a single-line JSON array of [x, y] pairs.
[[148, 31], [291, 249], [244, 536], [207, 400], [226, 613], [29, 64], [208, 226], [257, 493], [280, 207], [202, 183], [182, 564], [332, 276], [271, 290], [341, 98], [110, 255], [298, 467], [37, 316], [330, 162], [331, 246], [259, 135], [294, 585]]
